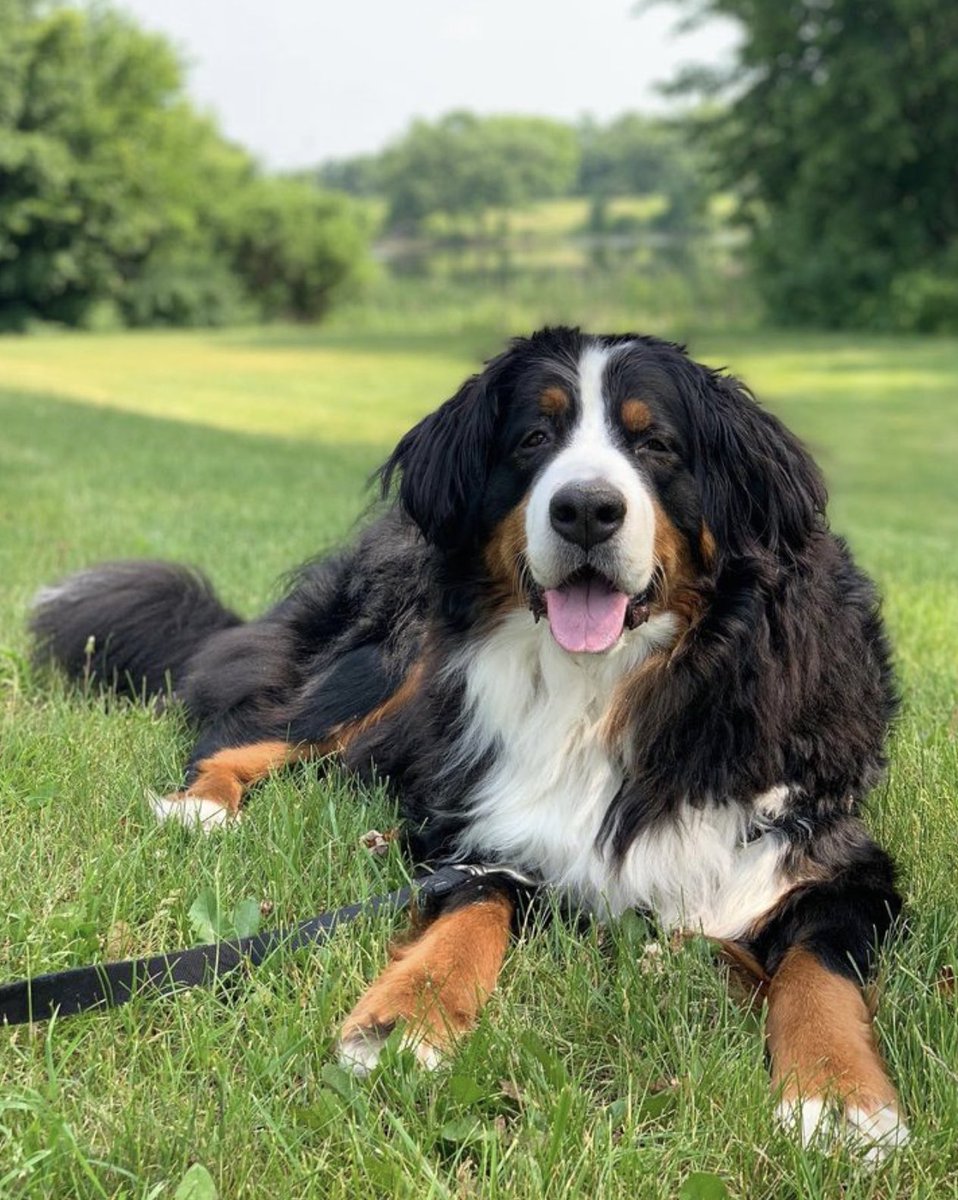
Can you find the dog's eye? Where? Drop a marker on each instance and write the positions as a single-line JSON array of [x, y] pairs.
[[538, 437], [655, 445]]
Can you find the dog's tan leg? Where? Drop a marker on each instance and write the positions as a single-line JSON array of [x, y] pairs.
[[221, 780], [217, 789], [436, 986], [823, 1052]]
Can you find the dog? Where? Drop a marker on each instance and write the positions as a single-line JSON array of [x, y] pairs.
[[601, 636]]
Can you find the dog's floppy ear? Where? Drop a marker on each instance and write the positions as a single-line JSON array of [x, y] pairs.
[[760, 488], [443, 462]]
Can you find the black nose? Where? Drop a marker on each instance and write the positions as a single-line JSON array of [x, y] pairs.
[[587, 513]]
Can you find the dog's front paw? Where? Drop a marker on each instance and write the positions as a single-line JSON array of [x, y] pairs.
[[867, 1127], [360, 1047], [433, 989], [405, 996]]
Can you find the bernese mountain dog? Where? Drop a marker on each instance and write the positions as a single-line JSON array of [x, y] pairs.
[[601, 639]]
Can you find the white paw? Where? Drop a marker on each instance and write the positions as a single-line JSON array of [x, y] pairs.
[[809, 1119], [192, 811], [359, 1053], [428, 1056], [873, 1134]]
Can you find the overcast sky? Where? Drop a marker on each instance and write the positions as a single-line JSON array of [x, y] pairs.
[[298, 81]]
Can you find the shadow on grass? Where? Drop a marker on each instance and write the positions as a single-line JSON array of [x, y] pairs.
[[81, 483], [474, 345]]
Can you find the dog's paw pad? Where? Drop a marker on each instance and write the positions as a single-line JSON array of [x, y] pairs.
[[192, 811]]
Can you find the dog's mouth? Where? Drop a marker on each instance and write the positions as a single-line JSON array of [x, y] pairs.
[[587, 613]]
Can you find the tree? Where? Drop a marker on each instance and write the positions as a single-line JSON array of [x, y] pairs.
[[638, 155], [631, 155], [839, 138], [116, 197], [359, 176], [79, 102], [463, 165]]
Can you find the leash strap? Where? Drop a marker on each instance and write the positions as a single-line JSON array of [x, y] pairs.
[[106, 985]]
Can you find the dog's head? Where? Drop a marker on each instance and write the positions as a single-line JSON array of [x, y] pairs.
[[593, 476]]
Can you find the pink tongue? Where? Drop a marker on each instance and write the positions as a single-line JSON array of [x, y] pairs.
[[586, 616]]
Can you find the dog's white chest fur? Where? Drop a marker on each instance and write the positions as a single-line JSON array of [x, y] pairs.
[[541, 803]]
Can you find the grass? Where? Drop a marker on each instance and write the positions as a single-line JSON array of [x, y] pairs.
[[598, 1069]]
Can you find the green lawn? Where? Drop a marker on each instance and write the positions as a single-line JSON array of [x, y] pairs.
[[598, 1070]]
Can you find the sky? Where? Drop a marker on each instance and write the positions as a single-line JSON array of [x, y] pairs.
[[300, 81]]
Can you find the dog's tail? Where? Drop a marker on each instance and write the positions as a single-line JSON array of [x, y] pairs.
[[129, 626]]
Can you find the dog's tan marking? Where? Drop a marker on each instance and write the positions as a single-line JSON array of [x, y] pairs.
[[344, 735], [225, 776], [671, 551], [636, 416], [679, 591], [707, 545], [820, 1038], [504, 557], [632, 695], [553, 401], [676, 591], [679, 585], [437, 984]]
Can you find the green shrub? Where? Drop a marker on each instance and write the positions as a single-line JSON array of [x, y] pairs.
[[178, 289], [294, 248], [926, 300]]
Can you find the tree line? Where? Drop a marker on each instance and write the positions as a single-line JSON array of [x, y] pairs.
[[463, 165], [833, 129], [119, 204]]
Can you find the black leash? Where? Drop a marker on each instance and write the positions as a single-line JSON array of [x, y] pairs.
[[106, 985]]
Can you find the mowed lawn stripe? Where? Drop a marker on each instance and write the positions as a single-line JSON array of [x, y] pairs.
[[242, 381]]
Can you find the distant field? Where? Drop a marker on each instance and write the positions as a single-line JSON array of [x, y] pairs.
[[565, 216], [246, 451]]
